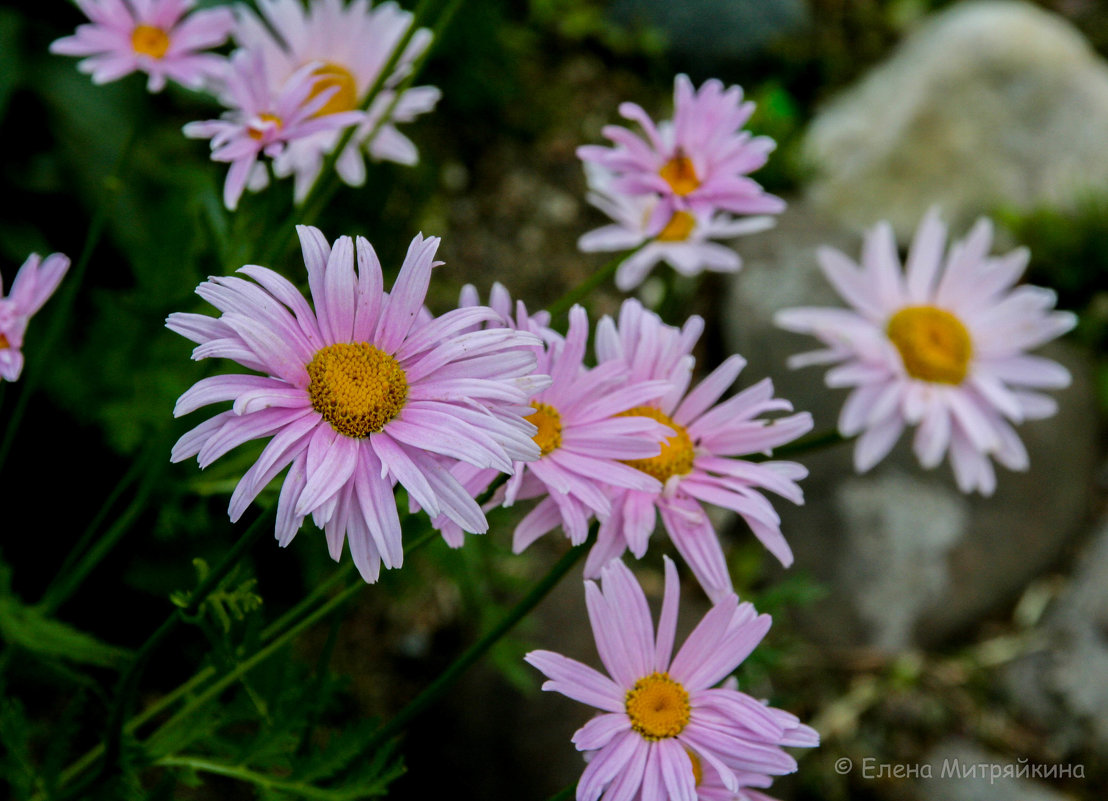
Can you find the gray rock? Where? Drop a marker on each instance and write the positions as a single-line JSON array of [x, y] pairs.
[[991, 103], [1062, 684], [956, 776], [907, 559]]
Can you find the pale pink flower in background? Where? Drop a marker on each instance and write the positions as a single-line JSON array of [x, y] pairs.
[[263, 123], [33, 285], [363, 392], [939, 344], [662, 715], [158, 37], [697, 465], [697, 162], [684, 241], [580, 437], [350, 44]]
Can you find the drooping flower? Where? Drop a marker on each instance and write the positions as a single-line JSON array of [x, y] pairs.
[[350, 44], [699, 463], [581, 438], [259, 122], [663, 721], [684, 241], [33, 285], [939, 344], [158, 37], [698, 162], [363, 392]]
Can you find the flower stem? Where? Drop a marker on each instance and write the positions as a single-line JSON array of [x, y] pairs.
[[61, 311], [432, 692], [582, 290], [246, 775]]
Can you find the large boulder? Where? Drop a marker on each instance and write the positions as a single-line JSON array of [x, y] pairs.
[[990, 104]]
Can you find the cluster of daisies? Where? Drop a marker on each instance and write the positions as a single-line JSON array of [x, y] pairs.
[[297, 79]]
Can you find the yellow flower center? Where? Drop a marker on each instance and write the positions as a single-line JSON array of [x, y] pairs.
[[356, 387], [680, 174], [697, 768], [345, 98], [658, 707], [257, 132], [933, 344], [146, 40], [676, 458], [549, 423], [4, 344], [678, 228]]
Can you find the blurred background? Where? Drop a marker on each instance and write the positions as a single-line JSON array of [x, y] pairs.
[[918, 625]]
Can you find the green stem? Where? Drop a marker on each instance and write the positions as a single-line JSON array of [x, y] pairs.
[[582, 290], [62, 309], [245, 775], [432, 692], [565, 793]]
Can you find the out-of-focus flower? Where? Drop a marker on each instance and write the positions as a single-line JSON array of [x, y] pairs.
[[350, 43], [684, 241], [663, 722], [939, 344], [158, 37], [697, 464], [363, 392], [580, 437], [33, 285], [259, 122], [697, 162]]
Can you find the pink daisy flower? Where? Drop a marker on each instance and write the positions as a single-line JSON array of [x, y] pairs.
[[579, 435], [940, 345], [697, 464], [683, 242], [697, 162], [260, 123], [158, 37], [350, 44], [33, 285], [662, 719], [364, 392]]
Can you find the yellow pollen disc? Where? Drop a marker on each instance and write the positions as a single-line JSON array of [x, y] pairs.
[[258, 133], [658, 707], [146, 40], [676, 458], [345, 99], [4, 342], [697, 768], [549, 423], [356, 387], [680, 174], [678, 228], [933, 344]]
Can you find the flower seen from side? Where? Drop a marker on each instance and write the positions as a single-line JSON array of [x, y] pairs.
[[939, 344], [701, 462], [363, 392], [664, 725], [349, 44], [684, 241], [159, 37], [259, 122], [35, 282], [697, 162]]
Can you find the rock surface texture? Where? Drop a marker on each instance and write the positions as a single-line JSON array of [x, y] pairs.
[[990, 104]]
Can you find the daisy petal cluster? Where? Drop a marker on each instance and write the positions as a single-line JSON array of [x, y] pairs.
[[363, 392], [583, 441], [700, 462], [939, 344], [678, 185], [33, 285], [349, 45], [159, 37], [665, 727], [261, 122]]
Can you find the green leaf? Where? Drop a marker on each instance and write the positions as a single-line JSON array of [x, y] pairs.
[[27, 627]]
